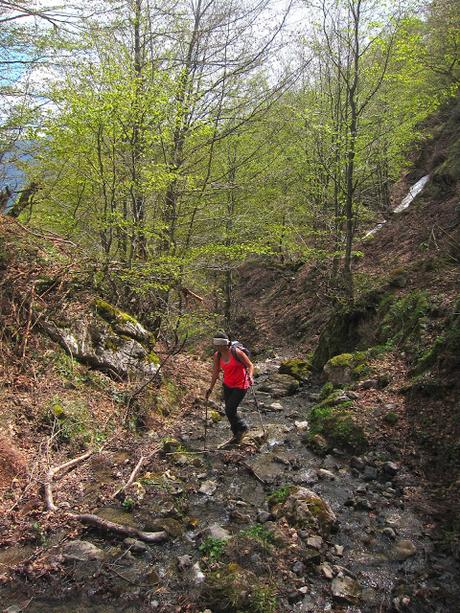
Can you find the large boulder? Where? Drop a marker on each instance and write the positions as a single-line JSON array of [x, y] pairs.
[[107, 340], [279, 385]]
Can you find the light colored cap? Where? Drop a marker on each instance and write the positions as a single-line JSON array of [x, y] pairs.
[[220, 342]]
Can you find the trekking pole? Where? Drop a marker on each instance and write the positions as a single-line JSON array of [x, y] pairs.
[[205, 423], [258, 410]]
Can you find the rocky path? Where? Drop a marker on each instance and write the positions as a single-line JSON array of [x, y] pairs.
[[268, 526]]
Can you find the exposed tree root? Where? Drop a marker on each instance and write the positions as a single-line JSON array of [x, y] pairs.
[[109, 526]]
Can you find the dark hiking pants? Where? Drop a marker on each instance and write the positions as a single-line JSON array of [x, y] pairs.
[[232, 397]]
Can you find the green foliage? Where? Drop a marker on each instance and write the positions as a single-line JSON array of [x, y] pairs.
[[280, 495], [391, 418], [128, 504], [260, 533], [234, 590], [71, 419], [404, 318], [212, 548], [326, 390]]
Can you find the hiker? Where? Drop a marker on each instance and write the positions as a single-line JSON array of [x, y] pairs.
[[238, 377]]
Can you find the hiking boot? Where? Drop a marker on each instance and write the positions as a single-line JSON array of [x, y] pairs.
[[239, 436]]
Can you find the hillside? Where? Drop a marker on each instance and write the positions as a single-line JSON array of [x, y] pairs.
[[117, 494], [405, 316]]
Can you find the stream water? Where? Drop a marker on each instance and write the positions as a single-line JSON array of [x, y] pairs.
[[381, 542]]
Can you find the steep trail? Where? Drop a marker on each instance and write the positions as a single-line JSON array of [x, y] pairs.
[[381, 556]]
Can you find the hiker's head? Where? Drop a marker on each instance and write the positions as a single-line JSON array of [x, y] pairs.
[[221, 340]]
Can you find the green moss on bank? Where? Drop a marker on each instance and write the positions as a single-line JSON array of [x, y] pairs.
[[338, 426]]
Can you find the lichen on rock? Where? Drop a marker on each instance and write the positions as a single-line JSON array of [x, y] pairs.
[[305, 509]]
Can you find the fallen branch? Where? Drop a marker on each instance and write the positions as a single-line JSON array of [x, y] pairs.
[[110, 526], [51, 474], [135, 471]]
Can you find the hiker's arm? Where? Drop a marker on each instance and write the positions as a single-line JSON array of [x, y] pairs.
[[249, 366], [215, 374]]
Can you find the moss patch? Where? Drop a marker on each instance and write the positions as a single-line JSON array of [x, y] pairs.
[[230, 589], [111, 314], [297, 368], [338, 426]]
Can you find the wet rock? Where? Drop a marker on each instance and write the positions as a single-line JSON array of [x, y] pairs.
[[184, 562], [329, 462], [279, 385], [326, 474], [327, 570], [305, 509], [362, 504], [357, 463], [275, 406], [402, 550], [370, 596], [389, 532], [306, 477], [390, 469], [239, 517], [308, 605], [263, 516], [370, 473], [315, 541], [347, 589], [301, 425], [208, 488], [217, 532], [298, 568], [318, 444], [294, 596], [82, 551]]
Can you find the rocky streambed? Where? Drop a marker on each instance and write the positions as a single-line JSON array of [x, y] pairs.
[[269, 526]]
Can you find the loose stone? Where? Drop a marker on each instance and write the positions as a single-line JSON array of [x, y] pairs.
[[346, 588], [326, 474]]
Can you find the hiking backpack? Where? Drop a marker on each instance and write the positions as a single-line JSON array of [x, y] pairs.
[[237, 345]]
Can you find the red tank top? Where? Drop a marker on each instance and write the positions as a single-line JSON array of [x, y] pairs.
[[235, 374]]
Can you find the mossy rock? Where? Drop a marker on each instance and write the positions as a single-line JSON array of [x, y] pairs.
[[296, 367], [112, 314], [344, 330], [306, 510], [230, 588], [444, 354], [344, 368], [339, 428], [402, 319], [123, 324], [171, 445]]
